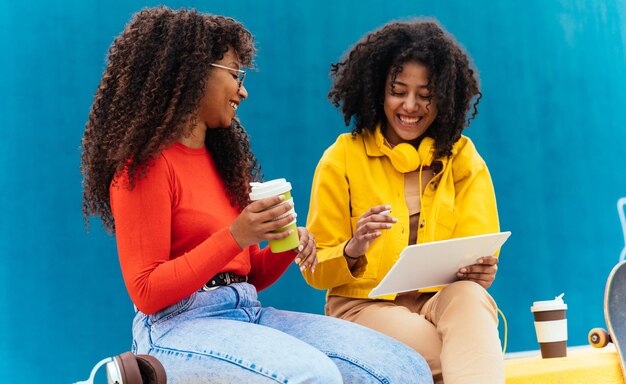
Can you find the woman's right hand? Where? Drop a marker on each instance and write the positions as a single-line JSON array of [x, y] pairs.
[[254, 224], [368, 228]]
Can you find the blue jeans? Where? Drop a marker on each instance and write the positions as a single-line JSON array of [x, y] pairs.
[[225, 336]]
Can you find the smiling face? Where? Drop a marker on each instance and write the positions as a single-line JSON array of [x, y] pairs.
[[409, 107], [222, 94]]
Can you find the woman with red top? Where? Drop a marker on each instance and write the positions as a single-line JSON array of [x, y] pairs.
[[167, 167]]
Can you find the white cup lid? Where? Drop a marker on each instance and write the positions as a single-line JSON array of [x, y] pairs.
[[549, 305], [269, 188]]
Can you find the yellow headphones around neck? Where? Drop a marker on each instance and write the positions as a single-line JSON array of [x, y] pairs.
[[404, 157]]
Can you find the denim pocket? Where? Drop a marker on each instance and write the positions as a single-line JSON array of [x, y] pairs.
[[171, 311]]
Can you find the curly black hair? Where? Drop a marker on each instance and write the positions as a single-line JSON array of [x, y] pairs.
[[359, 80], [148, 97]]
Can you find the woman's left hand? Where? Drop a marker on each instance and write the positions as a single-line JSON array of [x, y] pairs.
[[483, 272], [307, 252]]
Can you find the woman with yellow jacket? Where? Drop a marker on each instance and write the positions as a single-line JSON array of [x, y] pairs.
[[406, 175]]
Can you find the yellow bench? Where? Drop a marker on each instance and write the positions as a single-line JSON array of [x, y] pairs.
[[585, 364]]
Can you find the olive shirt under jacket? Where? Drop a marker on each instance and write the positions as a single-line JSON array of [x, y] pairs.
[[354, 175]]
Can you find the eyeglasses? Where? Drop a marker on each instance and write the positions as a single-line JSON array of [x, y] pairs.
[[241, 74]]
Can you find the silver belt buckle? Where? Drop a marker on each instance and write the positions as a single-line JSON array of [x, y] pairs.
[[207, 289]]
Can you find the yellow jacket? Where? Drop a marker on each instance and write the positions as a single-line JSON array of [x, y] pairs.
[[354, 175]]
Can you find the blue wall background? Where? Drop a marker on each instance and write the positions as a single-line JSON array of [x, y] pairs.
[[551, 127]]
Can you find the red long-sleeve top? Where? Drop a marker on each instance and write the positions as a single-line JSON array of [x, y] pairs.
[[173, 235]]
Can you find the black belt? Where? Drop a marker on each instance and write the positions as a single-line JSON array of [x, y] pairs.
[[223, 279]]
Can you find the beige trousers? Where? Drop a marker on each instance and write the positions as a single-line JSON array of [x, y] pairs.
[[455, 329]]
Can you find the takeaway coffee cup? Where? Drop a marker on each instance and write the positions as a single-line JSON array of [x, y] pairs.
[[551, 326], [274, 188]]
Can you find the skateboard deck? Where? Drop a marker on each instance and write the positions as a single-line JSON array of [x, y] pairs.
[[614, 314]]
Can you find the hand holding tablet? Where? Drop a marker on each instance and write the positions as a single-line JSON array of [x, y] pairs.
[[436, 263]]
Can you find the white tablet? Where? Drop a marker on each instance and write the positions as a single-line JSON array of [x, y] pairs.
[[434, 264]]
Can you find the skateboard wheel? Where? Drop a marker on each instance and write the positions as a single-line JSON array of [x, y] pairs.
[[598, 338]]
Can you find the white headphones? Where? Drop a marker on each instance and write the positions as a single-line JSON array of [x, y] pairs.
[[128, 368]]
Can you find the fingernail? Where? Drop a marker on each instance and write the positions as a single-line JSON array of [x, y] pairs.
[[388, 225], [463, 270], [388, 207], [302, 268], [300, 247], [385, 213], [394, 219], [281, 197], [297, 260], [312, 269], [480, 261]]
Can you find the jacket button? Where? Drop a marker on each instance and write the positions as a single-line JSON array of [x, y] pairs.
[[433, 185], [422, 223]]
